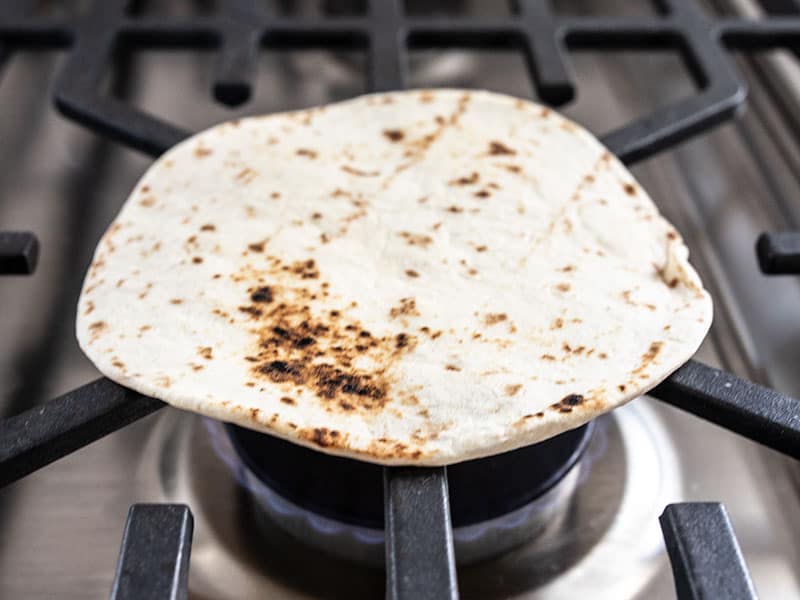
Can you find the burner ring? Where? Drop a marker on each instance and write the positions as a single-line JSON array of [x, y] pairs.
[[351, 491]]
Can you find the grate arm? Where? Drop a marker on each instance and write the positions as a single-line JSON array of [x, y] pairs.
[[779, 253], [45, 433], [420, 561], [19, 252], [754, 411], [706, 560], [153, 561]]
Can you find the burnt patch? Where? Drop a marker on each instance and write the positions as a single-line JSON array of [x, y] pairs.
[[359, 172], [281, 371], [512, 389], [208, 227], [328, 381], [306, 152], [332, 355], [566, 347], [470, 179], [256, 247], [568, 403], [630, 189], [406, 308], [412, 273], [246, 175], [323, 437], [648, 358], [494, 318], [262, 295], [416, 239], [387, 448], [499, 149], [306, 269], [98, 327], [525, 418], [253, 311], [393, 135], [304, 342]]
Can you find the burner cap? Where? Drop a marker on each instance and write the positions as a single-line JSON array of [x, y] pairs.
[[351, 491]]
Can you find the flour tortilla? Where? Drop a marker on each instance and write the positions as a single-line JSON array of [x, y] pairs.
[[409, 278]]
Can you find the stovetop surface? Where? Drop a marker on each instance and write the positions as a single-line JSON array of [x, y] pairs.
[[62, 525]]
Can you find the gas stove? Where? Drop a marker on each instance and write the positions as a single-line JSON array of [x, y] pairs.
[[642, 503]]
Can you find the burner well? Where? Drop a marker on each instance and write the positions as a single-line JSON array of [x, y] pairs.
[[336, 504], [351, 491]]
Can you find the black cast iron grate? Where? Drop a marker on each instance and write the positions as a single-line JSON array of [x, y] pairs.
[[417, 511]]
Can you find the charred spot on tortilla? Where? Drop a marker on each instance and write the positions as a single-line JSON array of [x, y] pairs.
[[312, 154], [393, 135], [262, 294], [494, 318], [568, 403], [470, 179], [498, 148]]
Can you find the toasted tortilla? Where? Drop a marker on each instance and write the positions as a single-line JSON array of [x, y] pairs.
[[413, 278]]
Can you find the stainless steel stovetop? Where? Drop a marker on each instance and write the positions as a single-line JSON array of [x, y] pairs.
[[61, 526]]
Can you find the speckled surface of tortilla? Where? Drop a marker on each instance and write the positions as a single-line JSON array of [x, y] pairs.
[[416, 278]]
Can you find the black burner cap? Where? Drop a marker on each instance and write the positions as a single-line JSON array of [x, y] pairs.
[[352, 491]]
